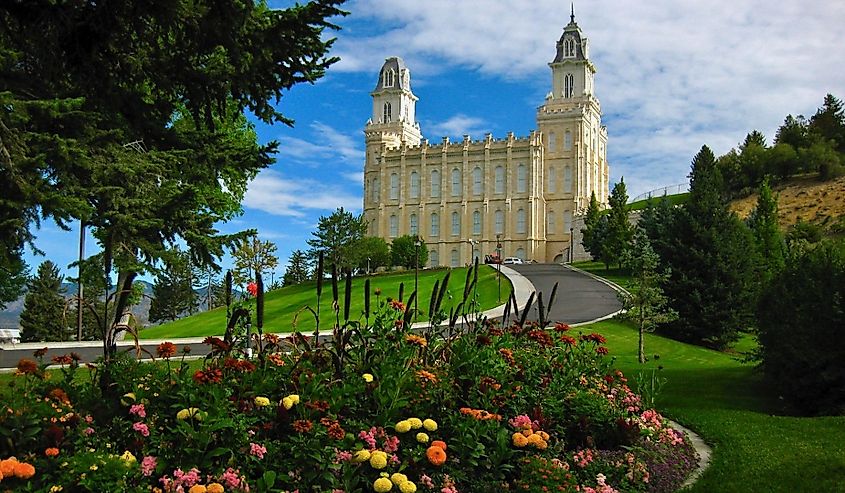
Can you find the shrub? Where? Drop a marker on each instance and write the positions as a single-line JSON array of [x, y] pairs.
[[801, 316]]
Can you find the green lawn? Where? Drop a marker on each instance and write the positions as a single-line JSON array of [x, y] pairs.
[[620, 276], [283, 305], [756, 448], [679, 198]]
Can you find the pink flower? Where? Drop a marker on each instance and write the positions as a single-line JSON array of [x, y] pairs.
[[426, 481], [231, 478], [141, 428], [391, 444], [148, 465], [342, 456], [257, 450], [89, 431], [138, 410]]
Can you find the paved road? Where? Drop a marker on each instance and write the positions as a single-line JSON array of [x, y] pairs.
[[579, 298]]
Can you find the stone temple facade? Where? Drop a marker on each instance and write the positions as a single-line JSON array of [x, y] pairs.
[[464, 198]]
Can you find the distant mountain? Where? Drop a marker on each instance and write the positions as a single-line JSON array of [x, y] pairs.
[[10, 317]]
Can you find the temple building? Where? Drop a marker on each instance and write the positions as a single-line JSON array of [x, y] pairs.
[[464, 198]]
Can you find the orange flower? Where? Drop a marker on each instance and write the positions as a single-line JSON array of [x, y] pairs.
[[7, 467], [426, 376], [416, 340], [276, 359], [166, 350], [302, 425], [519, 440], [51, 452], [397, 305], [24, 470], [436, 455], [438, 443], [480, 414], [27, 366]]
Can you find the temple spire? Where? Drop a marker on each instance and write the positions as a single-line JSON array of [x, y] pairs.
[[572, 12]]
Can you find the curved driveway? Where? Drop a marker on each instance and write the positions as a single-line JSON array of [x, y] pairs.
[[579, 299]]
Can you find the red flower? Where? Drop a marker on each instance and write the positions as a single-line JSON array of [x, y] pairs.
[[252, 289], [601, 350], [507, 354], [209, 375], [217, 344], [321, 406], [541, 336], [595, 337], [568, 340], [64, 359], [561, 327], [166, 350], [240, 365], [27, 366], [302, 425]]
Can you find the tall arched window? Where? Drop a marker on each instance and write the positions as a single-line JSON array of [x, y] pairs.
[[456, 224], [413, 226], [435, 183], [415, 185], [435, 224], [521, 178], [476, 181], [388, 113], [476, 222], [569, 47], [567, 141], [520, 221], [389, 77], [433, 258], [500, 179], [500, 222], [456, 182], [394, 226], [568, 85], [394, 186], [454, 258], [552, 142], [552, 180], [376, 192], [567, 179], [550, 223]]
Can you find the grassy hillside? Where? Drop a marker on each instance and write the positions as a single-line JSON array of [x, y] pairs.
[[285, 308]]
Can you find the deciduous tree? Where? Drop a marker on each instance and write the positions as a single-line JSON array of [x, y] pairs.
[[252, 257], [405, 252]]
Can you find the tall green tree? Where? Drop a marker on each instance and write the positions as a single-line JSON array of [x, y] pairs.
[[173, 293], [252, 257], [592, 235], [767, 235], [43, 316], [13, 277], [829, 122], [336, 237], [619, 231], [131, 118], [405, 252], [298, 270], [793, 131], [711, 255], [371, 253], [645, 303]]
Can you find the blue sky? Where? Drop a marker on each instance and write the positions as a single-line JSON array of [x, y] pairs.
[[672, 75]]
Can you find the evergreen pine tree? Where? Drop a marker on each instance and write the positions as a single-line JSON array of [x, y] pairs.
[[829, 122], [712, 259], [767, 235], [591, 234], [297, 271], [173, 292], [43, 317], [618, 233]]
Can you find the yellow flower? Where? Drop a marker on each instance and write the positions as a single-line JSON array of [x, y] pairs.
[[519, 440], [382, 485], [407, 487], [430, 425], [128, 398], [55, 489], [361, 456], [128, 458], [398, 478], [287, 402], [191, 412], [367, 377], [262, 401], [214, 488], [534, 439], [198, 488], [416, 424], [378, 459], [294, 398], [403, 426], [422, 437], [93, 467]]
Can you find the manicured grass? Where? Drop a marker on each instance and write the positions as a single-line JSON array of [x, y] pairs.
[[679, 198], [755, 447], [620, 276], [285, 305]]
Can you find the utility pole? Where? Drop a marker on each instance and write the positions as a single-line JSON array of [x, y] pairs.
[[79, 281]]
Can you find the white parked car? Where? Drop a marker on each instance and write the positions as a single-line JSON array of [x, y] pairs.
[[513, 260]]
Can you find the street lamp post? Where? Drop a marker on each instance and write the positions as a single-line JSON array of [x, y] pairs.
[[417, 244], [368, 266], [571, 244], [499, 263]]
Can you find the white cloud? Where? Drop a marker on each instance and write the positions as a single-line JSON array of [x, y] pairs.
[[328, 143], [671, 75], [276, 194], [458, 126]]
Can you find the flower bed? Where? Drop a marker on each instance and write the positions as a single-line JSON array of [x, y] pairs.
[[377, 408]]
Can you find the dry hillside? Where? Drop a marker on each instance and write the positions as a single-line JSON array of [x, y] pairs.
[[814, 201]]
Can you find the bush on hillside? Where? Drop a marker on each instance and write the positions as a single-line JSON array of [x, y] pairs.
[[802, 316]]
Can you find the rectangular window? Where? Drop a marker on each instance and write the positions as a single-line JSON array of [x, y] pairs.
[[456, 224], [567, 179], [394, 227]]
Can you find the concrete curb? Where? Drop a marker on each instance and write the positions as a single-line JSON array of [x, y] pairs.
[[704, 453], [611, 284]]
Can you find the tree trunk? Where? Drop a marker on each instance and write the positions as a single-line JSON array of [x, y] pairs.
[[641, 350]]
